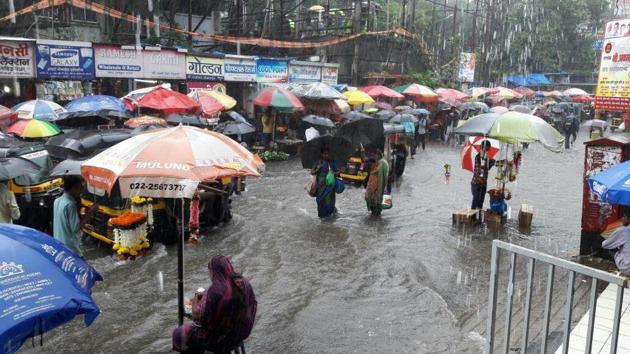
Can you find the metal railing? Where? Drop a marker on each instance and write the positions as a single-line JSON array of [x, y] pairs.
[[533, 257]]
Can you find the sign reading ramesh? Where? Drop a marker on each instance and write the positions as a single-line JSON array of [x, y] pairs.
[[16, 59], [613, 84], [239, 68], [64, 60], [204, 68], [272, 70], [113, 61], [304, 72]]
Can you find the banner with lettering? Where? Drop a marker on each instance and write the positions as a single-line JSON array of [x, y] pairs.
[[239, 68], [204, 68], [330, 74], [64, 60], [113, 61], [16, 59], [164, 64], [305, 72], [613, 83], [272, 70]]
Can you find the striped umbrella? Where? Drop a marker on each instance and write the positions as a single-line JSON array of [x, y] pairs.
[[505, 93], [451, 95], [169, 163], [419, 92], [212, 101], [33, 129], [39, 109], [278, 98], [473, 148]]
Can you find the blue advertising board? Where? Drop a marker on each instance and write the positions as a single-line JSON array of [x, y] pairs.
[[64, 60], [272, 70]]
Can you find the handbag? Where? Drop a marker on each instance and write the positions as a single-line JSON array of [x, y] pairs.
[[340, 185], [311, 187]]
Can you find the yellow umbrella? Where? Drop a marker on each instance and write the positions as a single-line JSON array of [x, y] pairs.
[[317, 8], [226, 101], [358, 97], [505, 93]]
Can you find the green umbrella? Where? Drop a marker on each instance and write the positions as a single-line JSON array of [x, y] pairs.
[[513, 128]]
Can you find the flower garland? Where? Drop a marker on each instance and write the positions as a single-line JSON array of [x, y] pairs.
[[144, 206], [130, 233]]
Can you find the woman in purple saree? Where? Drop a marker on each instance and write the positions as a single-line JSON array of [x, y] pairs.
[[223, 317]]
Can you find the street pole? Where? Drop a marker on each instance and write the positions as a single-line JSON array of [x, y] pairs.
[[190, 24]]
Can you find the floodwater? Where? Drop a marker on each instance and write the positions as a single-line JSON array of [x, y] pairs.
[[408, 282]]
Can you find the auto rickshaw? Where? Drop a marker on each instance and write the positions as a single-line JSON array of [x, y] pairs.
[[354, 170], [34, 193]]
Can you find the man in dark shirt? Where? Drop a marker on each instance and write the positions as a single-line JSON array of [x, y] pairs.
[[479, 182]]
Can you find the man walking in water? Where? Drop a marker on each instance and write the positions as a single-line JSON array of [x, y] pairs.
[[479, 182], [66, 222]]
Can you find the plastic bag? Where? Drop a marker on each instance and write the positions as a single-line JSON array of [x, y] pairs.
[[311, 187], [387, 201], [330, 178], [340, 185]]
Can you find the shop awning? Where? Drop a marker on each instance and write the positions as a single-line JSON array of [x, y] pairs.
[[534, 79]]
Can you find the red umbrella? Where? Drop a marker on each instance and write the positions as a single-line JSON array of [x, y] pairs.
[[383, 105], [452, 94], [583, 99], [473, 147], [499, 109], [168, 101], [278, 98], [525, 91], [379, 91], [7, 117]]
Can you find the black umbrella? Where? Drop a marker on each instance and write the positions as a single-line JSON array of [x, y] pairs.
[[235, 128], [13, 167], [362, 132], [354, 116], [318, 121], [89, 119], [67, 167], [235, 116], [339, 149], [187, 119], [384, 114], [404, 117], [84, 142]]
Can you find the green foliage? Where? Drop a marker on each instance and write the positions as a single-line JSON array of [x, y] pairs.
[[423, 78]]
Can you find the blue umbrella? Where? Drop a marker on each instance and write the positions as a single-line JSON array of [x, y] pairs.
[[418, 112], [612, 185], [43, 285], [96, 103], [39, 109]]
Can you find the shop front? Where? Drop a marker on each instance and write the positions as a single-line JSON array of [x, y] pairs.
[[64, 70], [239, 73], [17, 70], [204, 73]]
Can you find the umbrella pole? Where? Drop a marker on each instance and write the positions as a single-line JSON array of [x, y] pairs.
[[180, 272]]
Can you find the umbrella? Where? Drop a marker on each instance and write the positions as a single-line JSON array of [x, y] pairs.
[[420, 92], [67, 167], [556, 94], [379, 91], [144, 120], [611, 185], [418, 112], [525, 91], [384, 114], [278, 98], [84, 142], [137, 94], [499, 109], [473, 147], [46, 285], [478, 92], [354, 116], [452, 94], [235, 116], [402, 108], [40, 109], [212, 101], [319, 121], [474, 106], [339, 149], [404, 117], [384, 106], [33, 129], [513, 128], [168, 101], [7, 116], [505, 93], [362, 132], [91, 119], [575, 92], [370, 110], [96, 103], [13, 167], [449, 102], [186, 119], [583, 99], [358, 97], [235, 128], [318, 90], [317, 8], [597, 123], [520, 108]]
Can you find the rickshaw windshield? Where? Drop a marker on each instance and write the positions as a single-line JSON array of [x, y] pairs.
[[43, 161], [100, 196]]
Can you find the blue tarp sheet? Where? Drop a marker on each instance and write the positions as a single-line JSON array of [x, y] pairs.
[[529, 80]]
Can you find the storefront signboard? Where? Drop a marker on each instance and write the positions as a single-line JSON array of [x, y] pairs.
[[64, 60]]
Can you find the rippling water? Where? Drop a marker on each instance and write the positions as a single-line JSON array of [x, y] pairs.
[[408, 282]]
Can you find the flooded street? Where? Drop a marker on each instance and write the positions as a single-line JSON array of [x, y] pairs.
[[408, 282]]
